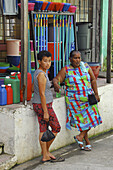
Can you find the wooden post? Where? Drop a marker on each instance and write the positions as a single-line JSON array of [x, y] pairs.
[[109, 42], [24, 48]]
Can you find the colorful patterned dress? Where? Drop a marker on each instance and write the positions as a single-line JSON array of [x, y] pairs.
[[79, 113]]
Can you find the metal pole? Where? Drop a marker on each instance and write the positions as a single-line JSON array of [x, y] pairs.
[[94, 27], [24, 48], [109, 42]]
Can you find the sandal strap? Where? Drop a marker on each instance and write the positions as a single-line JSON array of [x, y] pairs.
[[88, 146], [81, 143]]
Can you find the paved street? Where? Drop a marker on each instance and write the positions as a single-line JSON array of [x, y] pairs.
[[100, 158]]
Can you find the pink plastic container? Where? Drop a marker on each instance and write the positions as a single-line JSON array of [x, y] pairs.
[[72, 9], [30, 6]]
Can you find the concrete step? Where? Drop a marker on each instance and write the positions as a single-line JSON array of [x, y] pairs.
[[7, 161], [1, 148]]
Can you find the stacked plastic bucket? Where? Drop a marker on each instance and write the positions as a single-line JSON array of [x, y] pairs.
[[13, 55]]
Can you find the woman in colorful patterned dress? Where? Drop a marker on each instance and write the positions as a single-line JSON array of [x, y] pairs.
[[79, 81]]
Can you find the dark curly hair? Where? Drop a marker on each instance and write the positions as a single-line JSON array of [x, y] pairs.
[[42, 54]]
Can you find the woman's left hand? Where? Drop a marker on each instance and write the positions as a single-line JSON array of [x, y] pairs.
[[97, 97], [57, 87]]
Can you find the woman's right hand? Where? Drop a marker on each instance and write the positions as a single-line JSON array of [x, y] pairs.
[[97, 97], [46, 116]]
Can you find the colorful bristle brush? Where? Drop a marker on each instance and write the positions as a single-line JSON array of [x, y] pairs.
[[66, 7], [51, 6], [38, 5], [47, 6], [44, 6], [57, 6], [72, 9], [61, 7]]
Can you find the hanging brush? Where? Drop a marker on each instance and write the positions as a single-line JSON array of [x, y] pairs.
[[61, 7], [47, 6], [44, 6], [51, 6], [38, 5], [66, 7], [57, 7]]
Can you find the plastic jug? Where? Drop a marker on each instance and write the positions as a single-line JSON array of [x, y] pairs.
[[29, 85], [15, 84], [3, 95], [9, 94]]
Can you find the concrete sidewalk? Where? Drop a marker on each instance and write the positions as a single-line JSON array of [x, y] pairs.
[[100, 158]]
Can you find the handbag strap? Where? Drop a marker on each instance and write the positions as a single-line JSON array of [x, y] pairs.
[[48, 125]]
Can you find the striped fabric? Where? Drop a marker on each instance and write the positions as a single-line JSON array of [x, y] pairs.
[[79, 113]]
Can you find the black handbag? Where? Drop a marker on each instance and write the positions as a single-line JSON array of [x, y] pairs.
[[47, 135], [92, 99]]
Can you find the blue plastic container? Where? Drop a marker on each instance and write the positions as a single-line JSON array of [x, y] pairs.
[[15, 60], [3, 95]]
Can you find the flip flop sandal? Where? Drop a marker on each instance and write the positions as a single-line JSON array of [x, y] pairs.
[[58, 159], [87, 148], [45, 161], [79, 143], [52, 158]]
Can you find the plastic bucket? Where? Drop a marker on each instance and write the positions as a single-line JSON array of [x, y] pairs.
[[13, 47], [95, 68], [4, 64], [3, 69], [15, 60]]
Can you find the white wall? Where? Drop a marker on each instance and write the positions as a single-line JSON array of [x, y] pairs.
[[19, 127]]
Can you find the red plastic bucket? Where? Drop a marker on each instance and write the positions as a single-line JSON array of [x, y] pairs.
[[95, 68]]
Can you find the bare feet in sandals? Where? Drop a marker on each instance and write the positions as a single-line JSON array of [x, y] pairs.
[[79, 141], [51, 156], [88, 145], [87, 148]]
